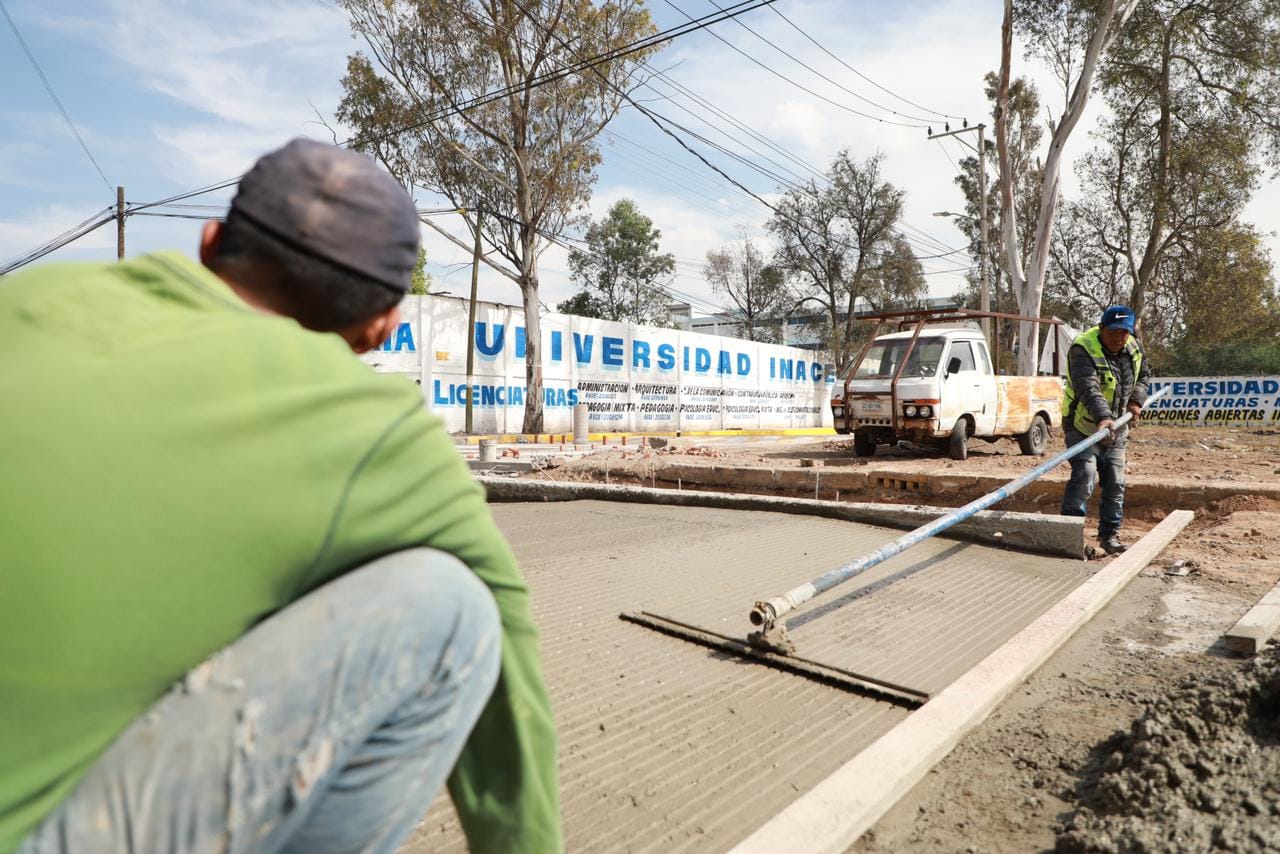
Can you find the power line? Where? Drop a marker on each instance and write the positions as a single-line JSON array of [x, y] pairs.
[[856, 71], [52, 94], [54, 244], [488, 97], [943, 149], [795, 83], [835, 83]]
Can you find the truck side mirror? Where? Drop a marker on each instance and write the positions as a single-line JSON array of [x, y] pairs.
[[953, 366]]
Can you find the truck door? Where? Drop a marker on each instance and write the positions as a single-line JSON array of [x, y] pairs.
[[988, 388], [970, 388]]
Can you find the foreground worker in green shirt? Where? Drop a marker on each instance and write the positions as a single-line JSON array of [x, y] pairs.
[[247, 586]]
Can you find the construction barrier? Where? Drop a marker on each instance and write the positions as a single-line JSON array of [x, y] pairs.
[[1216, 402], [633, 378]]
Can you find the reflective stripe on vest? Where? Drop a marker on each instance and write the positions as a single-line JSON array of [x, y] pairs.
[[1072, 412]]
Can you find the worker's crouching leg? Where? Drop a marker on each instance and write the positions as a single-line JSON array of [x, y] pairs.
[[329, 727]]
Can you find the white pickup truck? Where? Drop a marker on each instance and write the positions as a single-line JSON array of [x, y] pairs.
[[936, 386]]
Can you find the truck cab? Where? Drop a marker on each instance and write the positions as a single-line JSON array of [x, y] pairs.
[[937, 385]]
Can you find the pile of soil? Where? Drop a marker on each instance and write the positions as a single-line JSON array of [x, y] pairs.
[[1199, 769]]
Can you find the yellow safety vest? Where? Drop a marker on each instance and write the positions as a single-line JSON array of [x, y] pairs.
[[1072, 412]]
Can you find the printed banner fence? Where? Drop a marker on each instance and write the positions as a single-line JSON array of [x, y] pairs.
[[633, 378], [1216, 401]]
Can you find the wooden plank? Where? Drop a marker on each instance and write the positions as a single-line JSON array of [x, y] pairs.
[[1257, 626], [833, 814]]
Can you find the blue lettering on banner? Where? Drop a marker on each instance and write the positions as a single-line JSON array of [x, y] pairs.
[[488, 396], [666, 357], [611, 351], [582, 348], [491, 338], [558, 398], [640, 354], [489, 350], [401, 341]]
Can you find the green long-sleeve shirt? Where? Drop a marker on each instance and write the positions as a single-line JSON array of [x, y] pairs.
[[175, 466]]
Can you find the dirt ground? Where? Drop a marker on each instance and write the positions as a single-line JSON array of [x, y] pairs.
[[1029, 778], [1213, 454]]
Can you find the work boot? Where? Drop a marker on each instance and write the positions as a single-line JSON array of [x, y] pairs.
[[1111, 544]]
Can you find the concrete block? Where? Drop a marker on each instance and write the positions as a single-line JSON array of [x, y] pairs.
[[801, 479]]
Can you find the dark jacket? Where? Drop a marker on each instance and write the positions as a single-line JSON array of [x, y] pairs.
[[1129, 389]]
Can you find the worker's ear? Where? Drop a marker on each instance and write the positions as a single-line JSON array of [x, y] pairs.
[[210, 238], [371, 333]]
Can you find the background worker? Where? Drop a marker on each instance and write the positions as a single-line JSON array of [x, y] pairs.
[[1106, 375], [196, 463]]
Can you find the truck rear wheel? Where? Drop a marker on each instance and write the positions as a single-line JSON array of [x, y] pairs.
[[863, 444], [1036, 439], [959, 445]]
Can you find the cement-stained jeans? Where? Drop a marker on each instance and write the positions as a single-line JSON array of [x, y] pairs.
[[329, 727], [1096, 463]]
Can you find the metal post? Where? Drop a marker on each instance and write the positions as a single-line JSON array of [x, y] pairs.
[[471, 326], [984, 303], [766, 614], [119, 223]]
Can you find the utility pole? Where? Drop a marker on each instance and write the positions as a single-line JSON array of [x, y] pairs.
[[119, 223], [984, 282], [471, 323]]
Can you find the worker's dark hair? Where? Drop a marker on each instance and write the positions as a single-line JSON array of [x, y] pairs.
[[317, 293]]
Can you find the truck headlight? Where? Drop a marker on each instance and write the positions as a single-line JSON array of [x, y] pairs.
[[925, 411], [911, 411]]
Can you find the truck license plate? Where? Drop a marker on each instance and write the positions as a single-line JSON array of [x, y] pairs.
[[869, 407]]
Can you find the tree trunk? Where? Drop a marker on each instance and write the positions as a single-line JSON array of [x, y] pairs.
[[533, 420], [1111, 19], [1008, 211], [1160, 206]]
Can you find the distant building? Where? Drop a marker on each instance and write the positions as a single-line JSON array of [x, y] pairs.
[[796, 330]]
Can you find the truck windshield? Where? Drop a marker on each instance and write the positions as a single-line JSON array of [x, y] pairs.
[[883, 358]]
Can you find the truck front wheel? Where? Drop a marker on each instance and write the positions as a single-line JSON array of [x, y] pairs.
[[1035, 440], [959, 445], [863, 443]]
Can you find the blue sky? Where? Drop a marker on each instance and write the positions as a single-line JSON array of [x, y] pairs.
[[170, 96]]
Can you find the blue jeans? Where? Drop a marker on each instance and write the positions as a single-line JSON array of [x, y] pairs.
[[1096, 463], [328, 727]]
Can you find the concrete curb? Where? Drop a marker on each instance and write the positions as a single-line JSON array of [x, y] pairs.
[[1054, 535], [1046, 491]]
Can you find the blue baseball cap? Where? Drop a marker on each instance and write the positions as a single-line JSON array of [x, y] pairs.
[[1118, 317]]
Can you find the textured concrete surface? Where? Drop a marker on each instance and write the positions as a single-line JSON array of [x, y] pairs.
[[668, 746], [1055, 535]]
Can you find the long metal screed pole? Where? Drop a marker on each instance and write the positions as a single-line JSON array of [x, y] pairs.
[[765, 614]]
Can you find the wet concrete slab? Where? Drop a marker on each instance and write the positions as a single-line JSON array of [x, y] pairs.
[[669, 746]]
